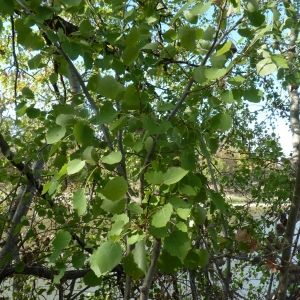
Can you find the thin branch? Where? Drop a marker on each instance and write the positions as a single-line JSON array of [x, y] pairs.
[[16, 63], [144, 289], [43, 272]]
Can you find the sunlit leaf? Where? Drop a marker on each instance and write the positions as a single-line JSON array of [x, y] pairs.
[[112, 158], [162, 216], [178, 244], [106, 257], [74, 166], [174, 175], [79, 201], [265, 67], [55, 134], [115, 189], [221, 122]]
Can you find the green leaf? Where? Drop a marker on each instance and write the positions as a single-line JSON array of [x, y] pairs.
[[133, 37], [256, 18], [90, 279], [19, 266], [130, 54], [93, 83], [131, 268], [114, 207], [187, 36], [174, 175], [118, 124], [237, 80], [107, 114], [32, 112], [221, 122], [74, 166], [78, 260], [218, 201], [27, 93], [193, 19], [204, 257], [253, 95], [115, 189], [151, 46], [214, 73], [218, 61], [227, 97], [7, 6], [61, 240], [252, 5], [280, 61], [188, 160], [35, 62], [224, 49], [84, 134], [79, 201], [139, 254], [154, 177], [199, 74], [162, 216], [90, 155], [199, 214], [265, 67], [200, 8], [108, 87], [65, 120], [72, 49], [86, 29], [168, 264], [131, 97], [106, 257], [134, 208], [193, 259], [112, 158], [181, 10], [55, 134], [183, 213], [71, 2], [178, 244], [152, 127], [117, 226]]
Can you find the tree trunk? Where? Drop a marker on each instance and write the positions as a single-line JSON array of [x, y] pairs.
[[145, 288], [294, 209]]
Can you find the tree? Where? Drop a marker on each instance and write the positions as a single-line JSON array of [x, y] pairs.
[[113, 116]]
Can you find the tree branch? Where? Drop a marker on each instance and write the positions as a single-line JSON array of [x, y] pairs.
[[144, 289], [43, 272]]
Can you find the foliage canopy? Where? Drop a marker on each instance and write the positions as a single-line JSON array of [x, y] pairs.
[[125, 128]]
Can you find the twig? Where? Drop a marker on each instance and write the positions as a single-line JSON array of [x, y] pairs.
[[16, 63]]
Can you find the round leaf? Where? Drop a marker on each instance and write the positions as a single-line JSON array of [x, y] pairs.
[[108, 87], [75, 166], [112, 158], [162, 216], [174, 175], [79, 201], [32, 112], [178, 244], [130, 55], [199, 214], [115, 189], [106, 257], [61, 240], [55, 134]]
